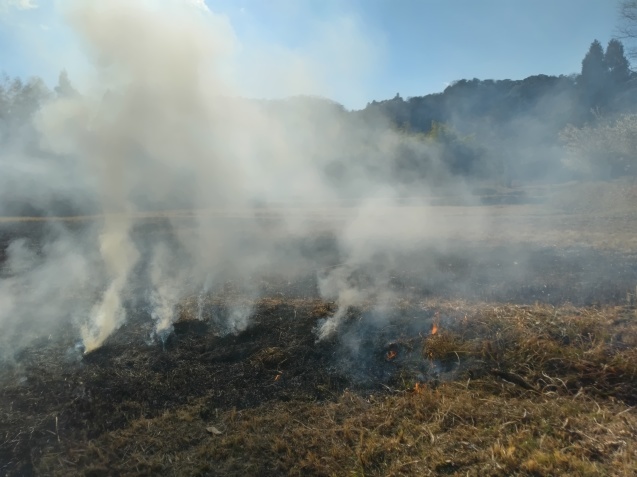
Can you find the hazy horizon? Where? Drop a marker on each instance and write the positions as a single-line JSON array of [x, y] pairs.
[[353, 52]]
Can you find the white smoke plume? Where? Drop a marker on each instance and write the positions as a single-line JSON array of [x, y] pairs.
[[119, 256], [163, 124]]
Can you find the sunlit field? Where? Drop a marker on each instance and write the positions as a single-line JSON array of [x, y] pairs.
[[511, 351], [335, 238]]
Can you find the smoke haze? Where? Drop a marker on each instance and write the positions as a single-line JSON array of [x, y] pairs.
[[245, 189], [162, 126]]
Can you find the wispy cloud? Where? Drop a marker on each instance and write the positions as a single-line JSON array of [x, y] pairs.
[[18, 4], [201, 4]]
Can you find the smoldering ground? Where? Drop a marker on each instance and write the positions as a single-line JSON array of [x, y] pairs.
[[197, 187], [197, 283], [160, 125]]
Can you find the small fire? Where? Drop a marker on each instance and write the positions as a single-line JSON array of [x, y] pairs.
[[434, 326], [391, 354], [277, 377], [419, 388]]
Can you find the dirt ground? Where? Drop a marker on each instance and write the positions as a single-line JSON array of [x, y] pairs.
[[514, 354]]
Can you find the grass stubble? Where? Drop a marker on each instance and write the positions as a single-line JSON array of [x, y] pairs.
[[538, 390], [550, 391]]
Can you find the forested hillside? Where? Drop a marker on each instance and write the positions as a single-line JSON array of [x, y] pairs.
[[512, 127], [547, 128]]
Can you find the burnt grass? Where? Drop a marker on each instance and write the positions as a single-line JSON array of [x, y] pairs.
[[532, 370]]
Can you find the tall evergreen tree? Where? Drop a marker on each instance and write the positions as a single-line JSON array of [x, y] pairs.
[[594, 78], [64, 88], [616, 63], [4, 101], [593, 65]]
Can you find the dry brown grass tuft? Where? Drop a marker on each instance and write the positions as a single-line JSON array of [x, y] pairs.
[[455, 429], [561, 348], [551, 395]]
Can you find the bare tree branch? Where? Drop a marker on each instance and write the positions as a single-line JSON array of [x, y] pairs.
[[627, 28]]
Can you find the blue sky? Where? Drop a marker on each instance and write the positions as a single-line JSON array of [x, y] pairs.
[[363, 49]]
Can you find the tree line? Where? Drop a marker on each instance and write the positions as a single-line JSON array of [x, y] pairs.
[[538, 128], [517, 125]]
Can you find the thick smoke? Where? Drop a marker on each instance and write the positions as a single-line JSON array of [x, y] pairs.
[[119, 256], [162, 126]]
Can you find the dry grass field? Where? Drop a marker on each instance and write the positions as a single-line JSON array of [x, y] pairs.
[[478, 368]]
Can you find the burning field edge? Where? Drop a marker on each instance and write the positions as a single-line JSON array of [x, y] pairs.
[[442, 388]]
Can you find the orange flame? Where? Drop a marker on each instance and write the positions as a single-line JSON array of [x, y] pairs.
[[434, 328], [277, 377], [418, 388], [391, 354]]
